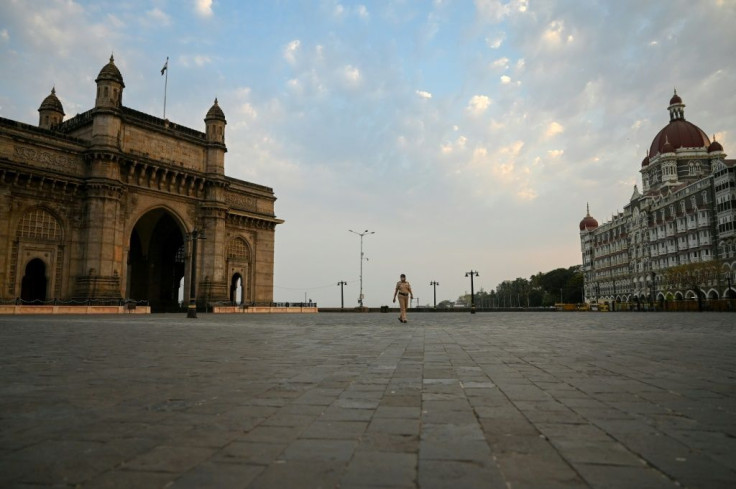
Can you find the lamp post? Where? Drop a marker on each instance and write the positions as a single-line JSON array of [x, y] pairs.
[[613, 302], [434, 286], [360, 298], [472, 274], [342, 296], [195, 236], [653, 275], [728, 294]]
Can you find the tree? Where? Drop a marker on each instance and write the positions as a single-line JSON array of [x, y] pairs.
[[445, 305], [691, 276]]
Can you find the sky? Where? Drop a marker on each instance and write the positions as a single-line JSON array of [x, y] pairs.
[[466, 135]]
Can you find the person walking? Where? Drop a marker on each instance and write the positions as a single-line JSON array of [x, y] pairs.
[[403, 290]]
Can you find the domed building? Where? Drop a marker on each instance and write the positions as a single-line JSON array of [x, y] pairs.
[[116, 205], [675, 239]]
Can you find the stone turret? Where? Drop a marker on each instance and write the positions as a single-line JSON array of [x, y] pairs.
[[51, 112], [109, 86], [215, 127], [109, 101]]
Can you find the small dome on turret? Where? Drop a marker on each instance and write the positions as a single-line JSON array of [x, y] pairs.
[[675, 99], [52, 102], [715, 146], [588, 223], [645, 161], [110, 72], [215, 113]]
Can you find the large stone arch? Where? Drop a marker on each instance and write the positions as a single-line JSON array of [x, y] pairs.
[[156, 260], [239, 256], [39, 235]]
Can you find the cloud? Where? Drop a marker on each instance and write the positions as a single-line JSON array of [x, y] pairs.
[[553, 129], [495, 42], [158, 17], [351, 74], [505, 79], [554, 36], [203, 8], [458, 145], [362, 12], [478, 104], [527, 194], [497, 10], [340, 12], [501, 63], [194, 60], [555, 153], [291, 50], [424, 94], [4, 35]]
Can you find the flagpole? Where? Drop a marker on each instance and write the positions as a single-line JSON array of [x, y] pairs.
[[165, 71]]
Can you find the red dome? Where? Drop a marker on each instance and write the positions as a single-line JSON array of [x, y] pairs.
[[588, 221], [680, 134], [715, 146], [675, 99]]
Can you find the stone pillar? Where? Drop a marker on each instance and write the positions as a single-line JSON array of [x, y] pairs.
[[264, 264], [102, 259], [6, 236], [213, 282]]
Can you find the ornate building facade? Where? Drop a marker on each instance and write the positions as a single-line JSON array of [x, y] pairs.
[[110, 204], [676, 238]]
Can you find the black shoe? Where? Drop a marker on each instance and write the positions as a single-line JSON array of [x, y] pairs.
[[401, 320]]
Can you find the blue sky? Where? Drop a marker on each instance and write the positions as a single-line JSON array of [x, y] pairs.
[[466, 134]]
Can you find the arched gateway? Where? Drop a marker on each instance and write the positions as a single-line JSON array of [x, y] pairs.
[[102, 207], [156, 260]]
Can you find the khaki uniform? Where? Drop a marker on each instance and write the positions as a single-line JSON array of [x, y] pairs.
[[403, 290]]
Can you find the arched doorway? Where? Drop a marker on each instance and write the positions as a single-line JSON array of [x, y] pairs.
[[33, 285], [236, 289], [156, 261]]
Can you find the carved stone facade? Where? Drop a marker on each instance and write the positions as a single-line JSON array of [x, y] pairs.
[[104, 205]]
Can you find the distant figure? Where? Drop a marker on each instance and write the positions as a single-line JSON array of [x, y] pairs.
[[403, 289]]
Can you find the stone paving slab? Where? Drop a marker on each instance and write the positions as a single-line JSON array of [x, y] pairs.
[[355, 401]]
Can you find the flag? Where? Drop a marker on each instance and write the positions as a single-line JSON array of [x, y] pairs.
[[166, 66]]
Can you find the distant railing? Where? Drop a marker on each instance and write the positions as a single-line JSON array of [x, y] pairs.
[[74, 302], [245, 305]]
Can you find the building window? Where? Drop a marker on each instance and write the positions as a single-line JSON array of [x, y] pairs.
[[39, 224]]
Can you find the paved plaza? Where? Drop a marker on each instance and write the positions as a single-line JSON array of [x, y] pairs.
[[358, 401]]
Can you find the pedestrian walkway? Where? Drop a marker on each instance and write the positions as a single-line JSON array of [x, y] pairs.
[[359, 401]]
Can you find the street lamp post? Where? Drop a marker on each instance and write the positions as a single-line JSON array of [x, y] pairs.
[[653, 275], [360, 298], [434, 286], [342, 296], [613, 302], [472, 274], [195, 236]]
